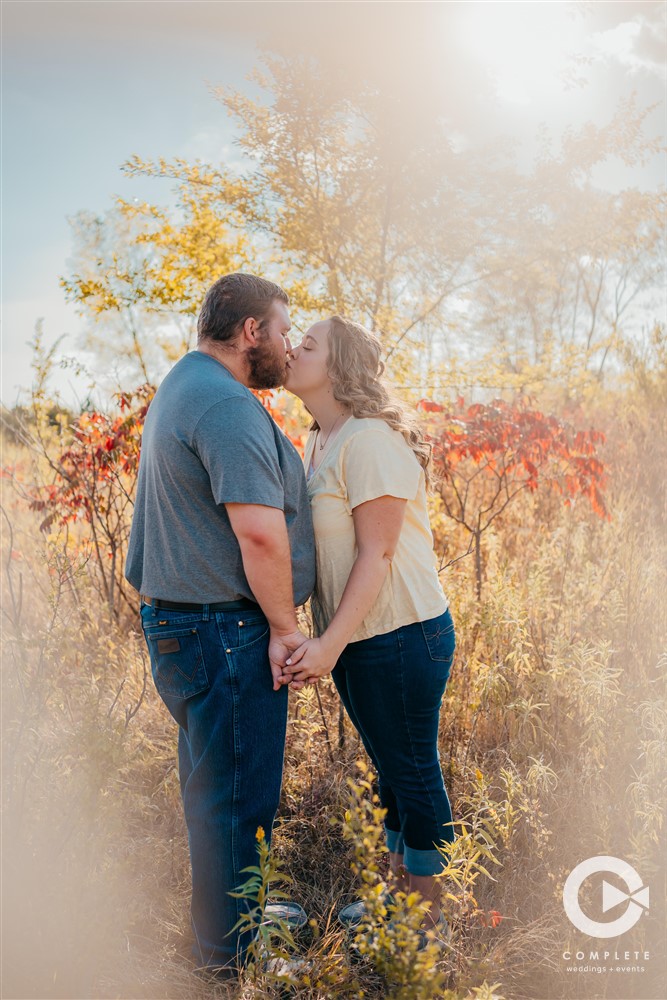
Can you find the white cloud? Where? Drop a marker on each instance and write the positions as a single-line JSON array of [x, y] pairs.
[[621, 43]]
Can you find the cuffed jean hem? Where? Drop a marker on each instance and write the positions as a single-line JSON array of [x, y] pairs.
[[416, 862], [395, 841], [423, 862]]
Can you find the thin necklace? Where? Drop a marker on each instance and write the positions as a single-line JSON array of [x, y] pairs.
[[319, 432]]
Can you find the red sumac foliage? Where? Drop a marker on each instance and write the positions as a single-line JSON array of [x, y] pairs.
[[490, 918], [487, 453], [93, 481], [96, 471]]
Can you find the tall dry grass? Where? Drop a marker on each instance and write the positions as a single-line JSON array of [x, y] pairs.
[[552, 744]]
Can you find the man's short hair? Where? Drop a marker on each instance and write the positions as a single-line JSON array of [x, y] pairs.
[[231, 300]]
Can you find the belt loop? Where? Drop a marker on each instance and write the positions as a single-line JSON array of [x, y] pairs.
[[204, 613], [153, 605]]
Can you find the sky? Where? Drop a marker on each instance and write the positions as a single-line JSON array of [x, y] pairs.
[[87, 84]]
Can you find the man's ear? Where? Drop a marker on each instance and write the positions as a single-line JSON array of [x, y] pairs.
[[249, 332]]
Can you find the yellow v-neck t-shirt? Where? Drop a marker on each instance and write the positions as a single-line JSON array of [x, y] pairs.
[[367, 460]]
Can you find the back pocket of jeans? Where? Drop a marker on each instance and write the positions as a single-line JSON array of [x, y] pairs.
[[439, 637], [177, 662]]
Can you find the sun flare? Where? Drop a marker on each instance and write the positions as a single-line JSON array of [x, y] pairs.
[[524, 48]]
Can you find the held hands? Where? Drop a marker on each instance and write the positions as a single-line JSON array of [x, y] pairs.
[[280, 649], [313, 659]]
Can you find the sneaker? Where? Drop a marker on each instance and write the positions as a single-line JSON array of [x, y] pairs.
[[288, 912], [352, 914], [440, 934], [286, 968]]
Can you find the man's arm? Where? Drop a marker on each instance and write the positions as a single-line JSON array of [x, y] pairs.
[[262, 536]]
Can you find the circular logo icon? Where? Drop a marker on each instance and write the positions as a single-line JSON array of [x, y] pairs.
[[636, 896]]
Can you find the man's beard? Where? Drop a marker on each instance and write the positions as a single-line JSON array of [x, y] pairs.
[[267, 370]]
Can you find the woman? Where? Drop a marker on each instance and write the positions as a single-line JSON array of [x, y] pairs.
[[383, 625]]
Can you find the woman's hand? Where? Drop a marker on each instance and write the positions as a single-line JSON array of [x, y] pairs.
[[313, 659]]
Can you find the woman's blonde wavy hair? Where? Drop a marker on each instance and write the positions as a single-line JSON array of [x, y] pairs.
[[355, 368]]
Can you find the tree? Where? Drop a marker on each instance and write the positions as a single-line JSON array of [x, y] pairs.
[[93, 480], [142, 271], [487, 454], [446, 249], [576, 267]]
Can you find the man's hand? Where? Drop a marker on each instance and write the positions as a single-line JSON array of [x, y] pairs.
[[280, 648], [313, 659]]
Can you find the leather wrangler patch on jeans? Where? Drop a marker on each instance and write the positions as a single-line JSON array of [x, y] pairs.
[[168, 645]]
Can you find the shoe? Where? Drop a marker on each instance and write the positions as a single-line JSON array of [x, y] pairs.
[[352, 914], [286, 911], [440, 934], [286, 968]]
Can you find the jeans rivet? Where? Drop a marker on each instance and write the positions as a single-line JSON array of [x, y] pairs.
[[194, 631], [240, 623], [228, 651]]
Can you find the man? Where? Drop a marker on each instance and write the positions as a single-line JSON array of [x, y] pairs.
[[221, 550]]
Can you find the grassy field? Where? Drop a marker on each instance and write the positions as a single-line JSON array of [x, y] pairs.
[[552, 745]]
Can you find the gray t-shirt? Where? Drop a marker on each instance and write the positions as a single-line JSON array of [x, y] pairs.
[[208, 441]]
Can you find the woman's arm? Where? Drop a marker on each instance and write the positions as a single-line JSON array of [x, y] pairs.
[[377, 527]]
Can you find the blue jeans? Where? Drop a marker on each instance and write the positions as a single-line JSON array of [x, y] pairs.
[[212, 671], [392, 687]]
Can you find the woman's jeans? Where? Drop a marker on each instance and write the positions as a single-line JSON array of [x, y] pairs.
[[392, 687], [212, 672]]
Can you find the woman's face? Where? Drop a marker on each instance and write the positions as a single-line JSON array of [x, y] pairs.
[[307, 364]]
